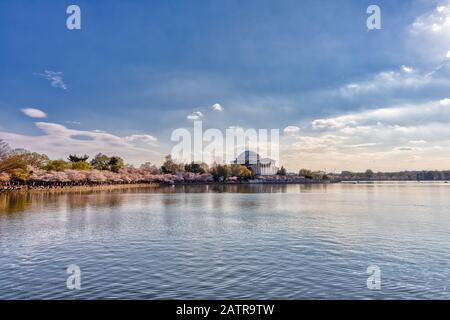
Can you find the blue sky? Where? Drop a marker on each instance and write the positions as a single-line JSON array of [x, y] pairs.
[[137, 69]]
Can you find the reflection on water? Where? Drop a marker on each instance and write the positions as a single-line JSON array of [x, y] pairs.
[[234, 241], [21, 201]]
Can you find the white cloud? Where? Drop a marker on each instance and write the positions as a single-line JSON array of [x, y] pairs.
[[407, 69], [406, 114], [141, 138], [34, 113], [291, 130], [436, 21], [56, 79], [417, 142], [445, 102], [311, 144], [57, 141], [388, 81], [431, 33], [217, 107], [361, 145], [73, 122], [196, 115]]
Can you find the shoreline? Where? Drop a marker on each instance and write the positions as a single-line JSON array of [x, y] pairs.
[[108, 187], [77, 188], [122, 186]]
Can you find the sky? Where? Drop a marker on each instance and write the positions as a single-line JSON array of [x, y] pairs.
[[343, 97]]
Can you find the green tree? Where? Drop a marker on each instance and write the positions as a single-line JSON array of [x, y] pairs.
[[115, 163], [282, 171], [80, 165], [196, 167], [170, 166], [240, 171], [100, 162], [103, 162], [74, 158], [57, 165], [221, 172], [305, 173]]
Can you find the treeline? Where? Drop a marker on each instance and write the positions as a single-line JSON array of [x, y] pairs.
[[19, 167], [426, 175]]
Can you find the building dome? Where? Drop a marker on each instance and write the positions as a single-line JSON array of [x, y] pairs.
[[258, 165], [248, 156]]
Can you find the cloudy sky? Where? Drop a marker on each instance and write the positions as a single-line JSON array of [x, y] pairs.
[[343, 97]]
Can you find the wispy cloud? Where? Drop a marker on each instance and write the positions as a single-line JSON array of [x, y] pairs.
[[34, 113], [73, 122], [361, 145], [141, 139], [291, 130], [56, 79], [406, 78], [431, 32], [434, 111], [217, 107], [196, 115], [57, 141]]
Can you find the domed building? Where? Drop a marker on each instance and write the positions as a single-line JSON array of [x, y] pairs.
[[259, 166]]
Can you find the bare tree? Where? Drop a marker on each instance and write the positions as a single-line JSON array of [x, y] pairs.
[[4, 150]]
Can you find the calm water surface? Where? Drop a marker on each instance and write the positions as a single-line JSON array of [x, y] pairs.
[[203, 242]]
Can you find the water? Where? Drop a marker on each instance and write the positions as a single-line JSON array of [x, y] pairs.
[[268, 242]]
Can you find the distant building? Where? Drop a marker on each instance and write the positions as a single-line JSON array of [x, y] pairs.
[[259, 166]]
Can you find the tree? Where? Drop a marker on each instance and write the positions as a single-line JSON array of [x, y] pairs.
[[241, 171], [4, 150], [170, 166], [37, 160], [13, 162], [305, 173], [221, 172], [115, 163], [57, 165], [100, 162], [22, 156], [369, 174], [103, 162], [149, 167], [318, 175], [282, 171], [196, 167], [20, 174], [74, 158], [80, 165]]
